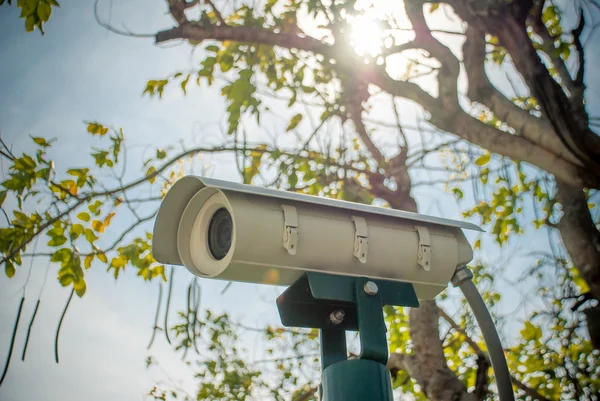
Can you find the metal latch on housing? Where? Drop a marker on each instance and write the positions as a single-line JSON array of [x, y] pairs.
[[361, 239], [290, 228], [424, 253]]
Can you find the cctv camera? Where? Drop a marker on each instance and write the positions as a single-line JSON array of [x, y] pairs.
[[239, 232]]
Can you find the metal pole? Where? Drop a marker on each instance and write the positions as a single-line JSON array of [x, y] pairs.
[[367, 377]]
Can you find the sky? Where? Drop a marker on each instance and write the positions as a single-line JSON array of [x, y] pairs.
[[49, 86]]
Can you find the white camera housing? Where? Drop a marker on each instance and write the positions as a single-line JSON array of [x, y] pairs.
[[278, 235]]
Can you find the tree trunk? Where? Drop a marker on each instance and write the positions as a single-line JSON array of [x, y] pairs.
[[439, 383], [579, 234]]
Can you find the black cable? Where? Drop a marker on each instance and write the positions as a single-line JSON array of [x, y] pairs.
[[64, 312], [12, 341], [37, 305]]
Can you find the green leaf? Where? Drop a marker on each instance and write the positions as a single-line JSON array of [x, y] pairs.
[[84, 216], [90, 236], [433, 7], [483, 159], [30, 23], [76, 231], [66, 280], [57, 241], [295, 120], [43, 11], [458, 193], [79, 286], [212, 48], [9, 268], [160, 154], [2, 197], [226, 62], [40, 141]]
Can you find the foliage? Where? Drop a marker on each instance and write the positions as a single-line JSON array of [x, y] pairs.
[[73, 210], [222, 370], [34, 12]]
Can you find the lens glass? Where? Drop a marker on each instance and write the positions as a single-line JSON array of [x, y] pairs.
[[220, 232]]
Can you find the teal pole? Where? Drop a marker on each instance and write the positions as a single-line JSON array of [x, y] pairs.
[[367, 377], [335, 304]]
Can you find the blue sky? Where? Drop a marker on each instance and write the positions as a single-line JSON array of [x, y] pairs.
[[48, 87]]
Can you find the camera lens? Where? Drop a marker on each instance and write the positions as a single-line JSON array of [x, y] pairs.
[[220, 232]]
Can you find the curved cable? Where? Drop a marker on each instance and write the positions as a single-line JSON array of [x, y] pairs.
[[463, 279], [12, 341], [64, 312], [37, 305]]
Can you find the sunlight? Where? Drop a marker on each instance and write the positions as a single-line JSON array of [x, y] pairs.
[[367, 36]]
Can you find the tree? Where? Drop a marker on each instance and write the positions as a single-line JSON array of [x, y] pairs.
[[536, 147]]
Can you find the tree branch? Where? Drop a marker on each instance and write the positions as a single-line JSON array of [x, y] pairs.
[[450, 66], [40, 230], [548, 48], [217, 12], [481, 90], [528, 390], [577, 94], [570, 122], [177, 9]]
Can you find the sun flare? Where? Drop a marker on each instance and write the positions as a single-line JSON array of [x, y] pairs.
[[367, 36]]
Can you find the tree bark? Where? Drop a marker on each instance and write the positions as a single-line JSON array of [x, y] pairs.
[[432, 373], [579, 234]]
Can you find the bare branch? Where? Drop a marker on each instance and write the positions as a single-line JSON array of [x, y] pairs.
[[6, 152], [450, 66], [472, 343]]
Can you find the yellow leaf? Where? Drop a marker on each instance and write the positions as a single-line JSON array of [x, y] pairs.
[[97, 225], [151, 174], [118, 262], [79, 287], [102, 257], [483, 159], [87, 262], [83, 216], [107, 220]]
